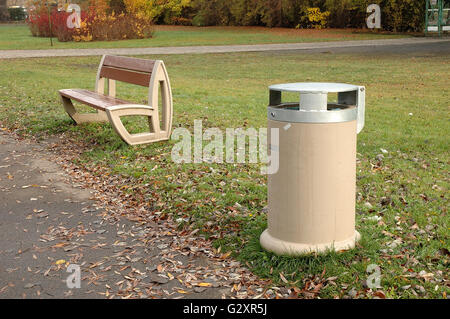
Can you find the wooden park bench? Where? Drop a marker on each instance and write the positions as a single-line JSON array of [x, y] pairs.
[[148, 73]]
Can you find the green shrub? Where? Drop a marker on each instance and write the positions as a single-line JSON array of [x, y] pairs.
[[212, 12], [117, 6], [396, 15], [347, 13], [17, 14], [402, 15], [161, 11]]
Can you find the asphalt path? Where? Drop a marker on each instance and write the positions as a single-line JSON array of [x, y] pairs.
[[402, 45]]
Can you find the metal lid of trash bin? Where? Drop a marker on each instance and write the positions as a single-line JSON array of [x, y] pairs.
[[314, 87], [337, 115], [313, 106]]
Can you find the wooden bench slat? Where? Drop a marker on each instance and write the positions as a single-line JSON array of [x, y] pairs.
[[98, 101], [125, 76], [133, 64]]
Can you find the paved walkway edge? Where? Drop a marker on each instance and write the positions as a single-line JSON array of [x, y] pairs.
[[12, 54]]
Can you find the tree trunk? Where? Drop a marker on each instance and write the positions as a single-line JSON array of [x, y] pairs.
[[3, 10]]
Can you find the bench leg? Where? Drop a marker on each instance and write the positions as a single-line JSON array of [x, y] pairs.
[[115, 112], [78, 118]]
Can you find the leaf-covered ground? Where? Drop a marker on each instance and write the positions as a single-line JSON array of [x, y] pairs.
[[54, 216], [402, 172]]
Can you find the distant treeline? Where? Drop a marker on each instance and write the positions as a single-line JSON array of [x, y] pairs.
[[396, 15]]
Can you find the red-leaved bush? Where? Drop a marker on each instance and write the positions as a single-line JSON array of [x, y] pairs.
[[96, 24], [39, 24]]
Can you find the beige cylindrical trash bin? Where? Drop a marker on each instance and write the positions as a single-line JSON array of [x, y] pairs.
[[311, 197]]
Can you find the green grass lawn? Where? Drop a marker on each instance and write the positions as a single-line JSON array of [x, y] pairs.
[[19, 37], [407, 108]]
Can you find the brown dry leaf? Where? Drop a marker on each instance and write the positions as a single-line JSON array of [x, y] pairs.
[[59, 245], [226, 255], [47, 272], [98, 263], [379, 294], [317, 288], [283, 278], [323, 273]]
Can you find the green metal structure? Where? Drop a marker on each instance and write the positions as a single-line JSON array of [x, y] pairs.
[[437, 16]]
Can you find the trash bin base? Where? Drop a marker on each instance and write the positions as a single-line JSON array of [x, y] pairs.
[[281, 247]]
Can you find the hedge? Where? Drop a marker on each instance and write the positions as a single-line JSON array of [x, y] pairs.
[[396, 15]]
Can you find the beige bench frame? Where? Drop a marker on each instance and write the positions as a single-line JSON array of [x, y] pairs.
[[112, 113]]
